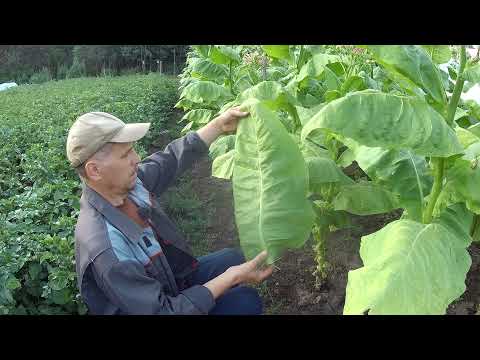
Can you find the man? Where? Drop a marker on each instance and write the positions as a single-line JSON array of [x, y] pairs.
[[130, 258]]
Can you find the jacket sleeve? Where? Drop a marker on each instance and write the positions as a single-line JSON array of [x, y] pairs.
[[127, 286], [159, 170]]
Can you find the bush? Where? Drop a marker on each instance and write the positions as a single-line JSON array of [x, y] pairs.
[[41, 77], [130, 71], [62, 72], [23, 78], [39, 192], [107, 72], [77, 70]]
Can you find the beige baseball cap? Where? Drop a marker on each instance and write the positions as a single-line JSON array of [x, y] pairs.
[[94, 129]]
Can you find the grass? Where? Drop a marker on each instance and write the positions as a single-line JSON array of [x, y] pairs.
[[188, 213]]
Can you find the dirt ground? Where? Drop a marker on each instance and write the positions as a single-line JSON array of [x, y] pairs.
[[290, 290]]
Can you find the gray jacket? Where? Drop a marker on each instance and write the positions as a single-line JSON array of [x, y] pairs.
[[121, 267]]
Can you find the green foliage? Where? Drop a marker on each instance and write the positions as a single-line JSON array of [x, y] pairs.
[[222, 166], [440, 54], [472, 73], [384, 107], [62, 72], [269, 186], [77, 69], [277, 51], [365, 199], [20, 62], [388, 121], [411, 66], [412, 268], [221, 146], [39, 192], [41, 76]]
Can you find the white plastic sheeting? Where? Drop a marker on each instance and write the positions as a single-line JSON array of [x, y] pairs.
[[8, 85]]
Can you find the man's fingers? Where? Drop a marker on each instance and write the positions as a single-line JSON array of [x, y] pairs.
[[266, 272], [239, 113], [260, 258]]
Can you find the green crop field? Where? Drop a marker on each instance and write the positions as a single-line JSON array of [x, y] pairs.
[[39, 192]]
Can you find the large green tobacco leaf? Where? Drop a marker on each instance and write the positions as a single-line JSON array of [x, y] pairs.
[[461, 185], [199, 116], [202, 50], [269, 186], [222, 145], [466, 137], [222, 166], [204, 92], [365, 199], [330, 79], [221, 54], [475, 129], [462, 177], [353, 83], [305, 114], [273, 95], [277, 51], [331, 95], [412, 268], [321, 171], [440, 54], [315, 67], [275, 73], [206, 70], [472, 74], [399, 171], [413, 65], [311, 150], [459, 113], [266, 91], [326, 216], [376, 119]]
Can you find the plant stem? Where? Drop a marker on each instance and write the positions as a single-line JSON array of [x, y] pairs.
[[319, 235], [230, 77], [439, 163], [457, 91], [300, 58], [436, 189], [475, 222]]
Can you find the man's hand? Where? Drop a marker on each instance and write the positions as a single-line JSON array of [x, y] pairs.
[[250, 271], [226, 122]]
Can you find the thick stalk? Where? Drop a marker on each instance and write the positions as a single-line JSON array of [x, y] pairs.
[[230, 77], [457, 91], [320, 254], [436, 189], [300, 58], [475, 222], [439, 163]]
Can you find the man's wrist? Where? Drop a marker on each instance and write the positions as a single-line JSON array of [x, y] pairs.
[[217, 124], [234, 277]]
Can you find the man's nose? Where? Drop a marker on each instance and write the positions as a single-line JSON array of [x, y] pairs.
[[135, 160]]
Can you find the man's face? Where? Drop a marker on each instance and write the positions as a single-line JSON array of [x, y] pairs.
[[118, 170]]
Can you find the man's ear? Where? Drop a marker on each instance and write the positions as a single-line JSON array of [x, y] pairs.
[[92, 170]]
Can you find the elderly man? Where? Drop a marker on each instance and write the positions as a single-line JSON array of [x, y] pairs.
[[130, 258]]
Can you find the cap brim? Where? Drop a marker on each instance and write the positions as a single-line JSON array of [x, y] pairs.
[[131, 133]]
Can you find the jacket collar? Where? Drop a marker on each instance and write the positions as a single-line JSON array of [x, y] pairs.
[[114, 216]]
